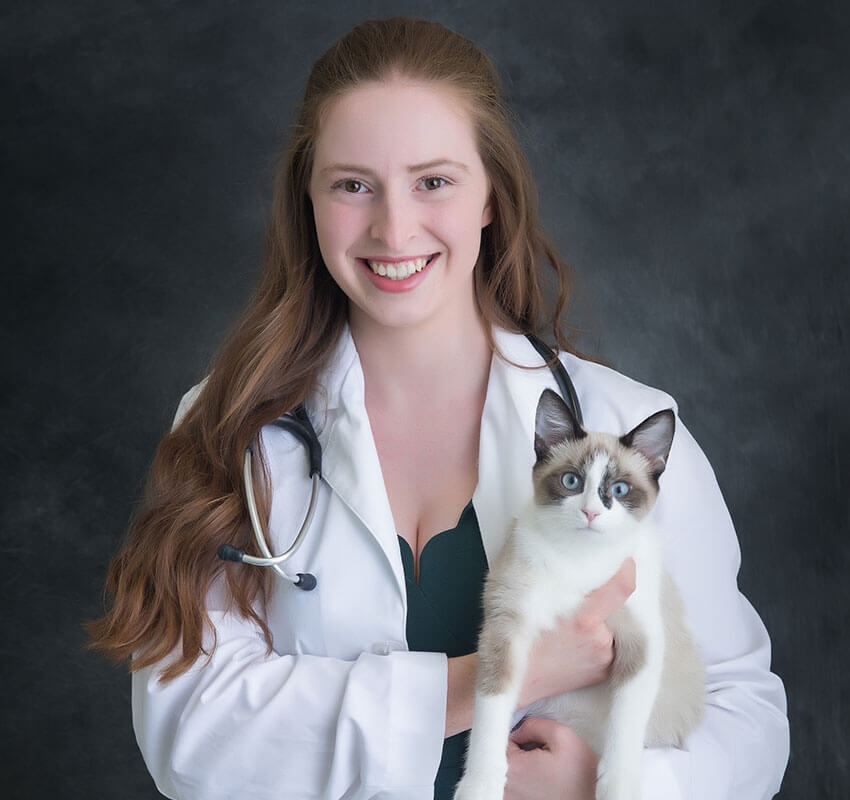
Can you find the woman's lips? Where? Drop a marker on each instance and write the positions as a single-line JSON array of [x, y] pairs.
[[398, 275]]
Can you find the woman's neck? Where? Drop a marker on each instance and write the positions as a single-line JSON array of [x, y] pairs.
[[407, 365]]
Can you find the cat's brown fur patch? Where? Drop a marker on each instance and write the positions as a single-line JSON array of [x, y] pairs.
[[497, 656], [496, 664], [629, 647]]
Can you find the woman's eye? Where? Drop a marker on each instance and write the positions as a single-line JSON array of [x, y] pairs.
[[351, 186], [571, 481], [620, 489], [433, 182]]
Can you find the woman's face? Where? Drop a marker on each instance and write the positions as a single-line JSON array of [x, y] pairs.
[[400, 196]]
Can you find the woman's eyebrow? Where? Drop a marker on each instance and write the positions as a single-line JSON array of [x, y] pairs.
[[437, 162]]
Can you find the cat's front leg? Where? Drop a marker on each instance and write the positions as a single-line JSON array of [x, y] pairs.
[[486, 759], [502, 659], [617, 782], [618, 774], [635, 678]]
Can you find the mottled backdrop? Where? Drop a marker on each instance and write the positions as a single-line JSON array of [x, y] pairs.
[[693, 167]]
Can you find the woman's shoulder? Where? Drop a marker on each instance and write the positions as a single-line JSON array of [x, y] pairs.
[[324, 393], [611, 400]]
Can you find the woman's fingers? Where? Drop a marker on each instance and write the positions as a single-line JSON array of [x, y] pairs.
[[549, 761], [579, 650], [535, 731]]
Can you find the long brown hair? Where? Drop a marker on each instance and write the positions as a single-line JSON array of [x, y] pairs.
[[273, 359]]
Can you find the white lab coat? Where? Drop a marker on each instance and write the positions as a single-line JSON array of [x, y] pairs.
[[341, 709]]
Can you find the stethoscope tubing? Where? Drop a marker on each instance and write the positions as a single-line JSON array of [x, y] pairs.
[[227, 552], [270, 560]]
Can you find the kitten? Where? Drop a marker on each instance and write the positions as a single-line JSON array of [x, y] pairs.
[[592, 495]]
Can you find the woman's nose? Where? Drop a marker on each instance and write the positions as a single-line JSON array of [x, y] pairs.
[[394, 223]]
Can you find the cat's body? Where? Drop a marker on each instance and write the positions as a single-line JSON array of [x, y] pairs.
[[593, 493]]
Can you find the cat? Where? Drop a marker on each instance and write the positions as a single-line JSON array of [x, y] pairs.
[[592, 496]]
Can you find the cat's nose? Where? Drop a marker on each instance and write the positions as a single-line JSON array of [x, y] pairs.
[[591, 515]]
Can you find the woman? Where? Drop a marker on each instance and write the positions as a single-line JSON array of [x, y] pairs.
[[402, 270]]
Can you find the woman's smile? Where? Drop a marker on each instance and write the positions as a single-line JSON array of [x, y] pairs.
[[398, 274]]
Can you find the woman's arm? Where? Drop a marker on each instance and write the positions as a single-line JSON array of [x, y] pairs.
[[294, 726], [252, 724], [460, 694]]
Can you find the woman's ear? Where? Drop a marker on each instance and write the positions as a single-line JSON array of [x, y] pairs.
[[487, 215]]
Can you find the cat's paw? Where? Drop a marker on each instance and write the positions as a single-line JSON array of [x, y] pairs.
[[616, 784], [479, 789]]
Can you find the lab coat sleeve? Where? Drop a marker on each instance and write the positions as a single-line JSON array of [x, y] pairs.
[[251, 724], [740, 749]]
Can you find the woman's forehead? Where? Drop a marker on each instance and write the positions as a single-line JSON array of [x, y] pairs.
[[397, 123]]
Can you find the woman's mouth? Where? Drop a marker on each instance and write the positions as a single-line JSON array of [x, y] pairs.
[[399, 270]]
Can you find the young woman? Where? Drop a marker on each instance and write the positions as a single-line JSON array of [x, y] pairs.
[[403, 268]]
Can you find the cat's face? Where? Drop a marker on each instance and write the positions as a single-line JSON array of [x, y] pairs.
[[599, 483]]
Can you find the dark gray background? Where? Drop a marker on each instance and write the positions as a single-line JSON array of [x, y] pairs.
[[693, 166]]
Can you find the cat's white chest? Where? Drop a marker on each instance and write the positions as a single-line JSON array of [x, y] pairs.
[[563, 575]]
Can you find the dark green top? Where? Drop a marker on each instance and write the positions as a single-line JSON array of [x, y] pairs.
[[444, 613]]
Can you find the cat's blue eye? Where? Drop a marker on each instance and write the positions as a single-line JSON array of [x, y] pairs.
[[571, 481], [620, 489]]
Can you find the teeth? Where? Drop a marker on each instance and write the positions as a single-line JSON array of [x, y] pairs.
[[400, 270]]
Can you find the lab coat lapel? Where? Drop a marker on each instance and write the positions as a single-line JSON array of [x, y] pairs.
[[351, 467], [506, 448]]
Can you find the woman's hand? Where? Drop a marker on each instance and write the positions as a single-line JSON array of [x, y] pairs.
[[562, 767], [579, 650]]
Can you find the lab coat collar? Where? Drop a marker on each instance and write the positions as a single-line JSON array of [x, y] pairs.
[[506, 447]]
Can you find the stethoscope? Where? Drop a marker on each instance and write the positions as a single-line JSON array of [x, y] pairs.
[[298, 423]]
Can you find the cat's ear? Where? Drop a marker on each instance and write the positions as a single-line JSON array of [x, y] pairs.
[[653, 439], [553, 424]]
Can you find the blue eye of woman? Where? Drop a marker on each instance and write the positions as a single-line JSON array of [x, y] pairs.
[[571, 481], [620, 489]]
